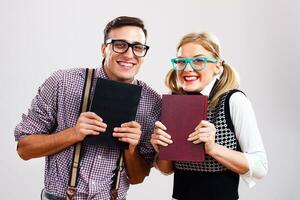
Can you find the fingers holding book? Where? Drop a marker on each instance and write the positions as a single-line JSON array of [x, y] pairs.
[[160, 137], [129, 132], [89, 123], [205, 132]]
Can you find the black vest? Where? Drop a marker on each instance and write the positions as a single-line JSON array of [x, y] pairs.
[[209, 180]]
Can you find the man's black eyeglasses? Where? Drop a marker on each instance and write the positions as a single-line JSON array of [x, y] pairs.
[[121, 46]]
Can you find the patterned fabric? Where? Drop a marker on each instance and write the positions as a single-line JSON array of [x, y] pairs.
[[47, 196], [224, 136], [57, 107]]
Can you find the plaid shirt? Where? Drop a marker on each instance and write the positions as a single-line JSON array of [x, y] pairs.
[[57, 107]]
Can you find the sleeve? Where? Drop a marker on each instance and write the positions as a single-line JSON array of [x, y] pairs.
[[41, 116], [249, 137], [145, 148]]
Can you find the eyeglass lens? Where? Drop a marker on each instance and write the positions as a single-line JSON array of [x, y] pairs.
[[197, 63], [120, 46]]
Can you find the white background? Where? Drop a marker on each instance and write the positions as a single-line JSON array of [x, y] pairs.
[[260, 38]]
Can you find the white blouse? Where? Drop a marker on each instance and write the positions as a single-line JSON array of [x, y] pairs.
[[247, 134]]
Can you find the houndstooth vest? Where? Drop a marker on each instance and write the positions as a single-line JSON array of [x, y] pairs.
[[225, 136]]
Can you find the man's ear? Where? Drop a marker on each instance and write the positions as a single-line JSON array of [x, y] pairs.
[[103, 50]]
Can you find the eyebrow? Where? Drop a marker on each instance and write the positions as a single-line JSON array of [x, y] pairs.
[[194, 56], [133, 42], [199, 55]]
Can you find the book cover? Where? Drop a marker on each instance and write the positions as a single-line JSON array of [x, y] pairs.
[[116, 103], [181, 114]]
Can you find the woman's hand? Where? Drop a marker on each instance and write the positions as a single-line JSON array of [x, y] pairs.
[[205, 132], [160, 137]]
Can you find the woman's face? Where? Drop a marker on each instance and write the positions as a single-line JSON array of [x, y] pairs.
[[193, 80]]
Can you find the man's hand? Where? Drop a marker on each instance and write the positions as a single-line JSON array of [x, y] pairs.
[[129, 132], [89, 123]]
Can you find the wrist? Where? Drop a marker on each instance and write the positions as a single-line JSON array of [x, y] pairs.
[[131, 149], [211, 149], [75, 136]]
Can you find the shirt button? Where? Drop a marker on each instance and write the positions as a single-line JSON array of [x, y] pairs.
[[99, 157]]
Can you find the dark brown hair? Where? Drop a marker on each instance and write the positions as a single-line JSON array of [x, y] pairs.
[[124, 21]]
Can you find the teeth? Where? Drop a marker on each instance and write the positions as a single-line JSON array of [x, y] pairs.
[[190, 78], [125, 64]]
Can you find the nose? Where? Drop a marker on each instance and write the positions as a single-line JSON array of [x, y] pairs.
[[129, 53], [188, 67]]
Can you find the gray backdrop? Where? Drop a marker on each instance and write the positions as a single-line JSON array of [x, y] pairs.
[[260, 38]]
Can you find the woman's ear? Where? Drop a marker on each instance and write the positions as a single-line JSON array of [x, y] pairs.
[[218, 68]]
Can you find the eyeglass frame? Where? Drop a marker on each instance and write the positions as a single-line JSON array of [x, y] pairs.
[[111, 41], [190, 61]]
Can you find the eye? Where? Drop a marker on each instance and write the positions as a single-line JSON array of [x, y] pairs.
[[180, 62], [139, 47], [120, 45], [198, 61]]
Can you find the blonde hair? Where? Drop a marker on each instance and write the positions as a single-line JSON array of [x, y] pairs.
[[228, 80]]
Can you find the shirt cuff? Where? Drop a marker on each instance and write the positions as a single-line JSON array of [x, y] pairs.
[[257, 168], [248, 176]]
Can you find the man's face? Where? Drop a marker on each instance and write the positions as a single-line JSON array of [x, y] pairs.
[[123, 66]]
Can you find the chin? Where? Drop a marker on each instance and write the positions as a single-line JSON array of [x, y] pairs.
[[191, 88], [125, 78]]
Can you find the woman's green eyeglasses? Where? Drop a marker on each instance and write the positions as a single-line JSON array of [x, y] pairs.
[[197, 63]]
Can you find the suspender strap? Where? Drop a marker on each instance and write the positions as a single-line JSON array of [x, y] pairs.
[[118, 171], [71, 190], [117, 177]]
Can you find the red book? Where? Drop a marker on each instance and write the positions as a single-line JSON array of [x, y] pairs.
[[181, 114]]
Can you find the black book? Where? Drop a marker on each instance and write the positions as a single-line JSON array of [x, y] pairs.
[[116, 103]]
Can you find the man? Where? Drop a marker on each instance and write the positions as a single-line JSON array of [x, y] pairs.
[[53, 123]]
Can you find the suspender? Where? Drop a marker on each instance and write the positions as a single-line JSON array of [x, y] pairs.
[[117, 176], [71, 190]]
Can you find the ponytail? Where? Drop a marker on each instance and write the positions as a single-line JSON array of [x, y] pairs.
[[228, 81]]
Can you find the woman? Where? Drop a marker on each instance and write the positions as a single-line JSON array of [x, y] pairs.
[[231, 138]]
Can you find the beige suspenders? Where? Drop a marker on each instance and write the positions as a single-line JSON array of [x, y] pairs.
[[116, 184], [71, 190]]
